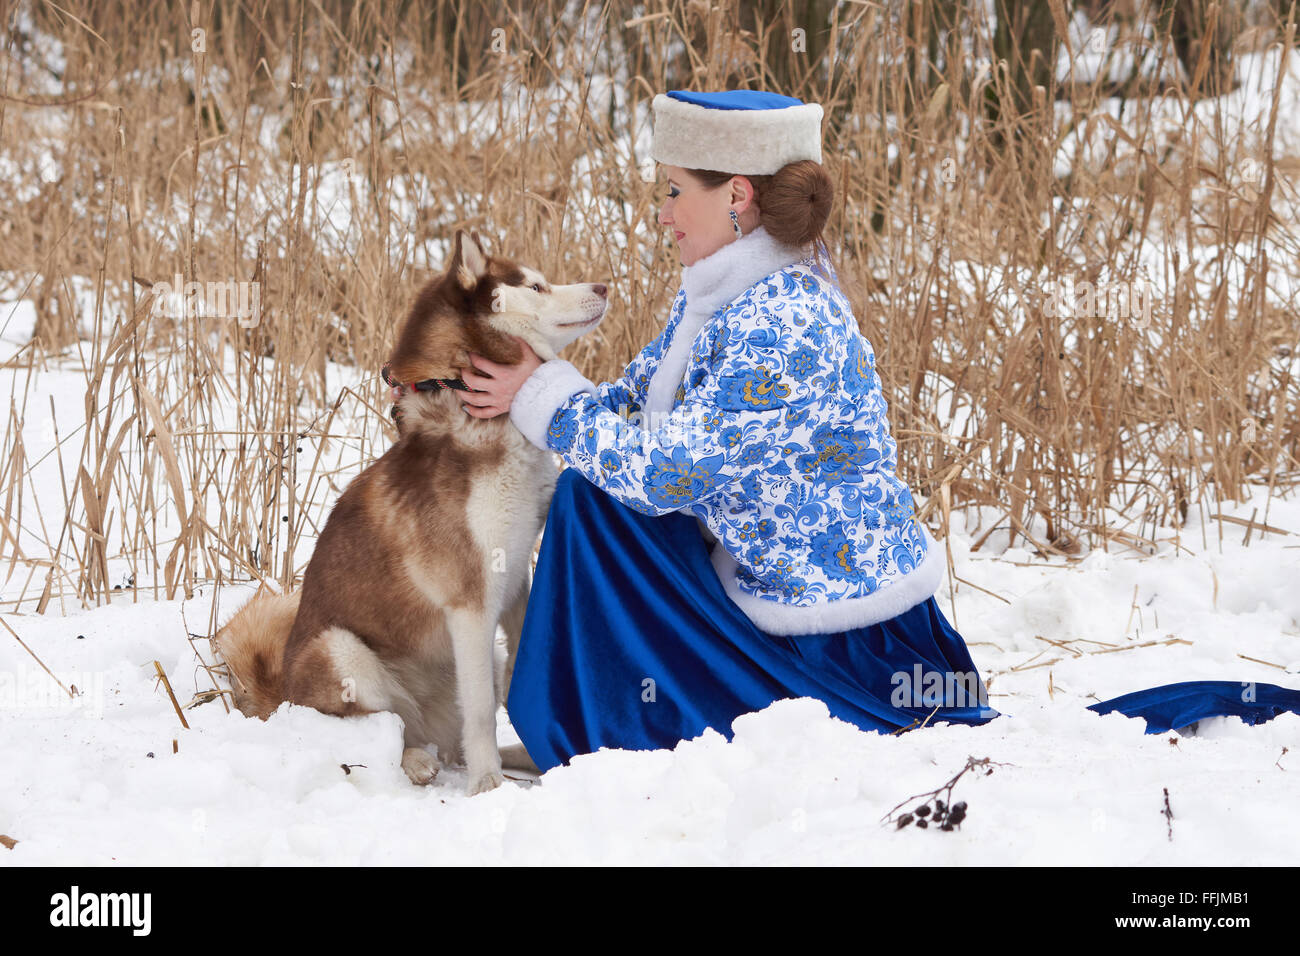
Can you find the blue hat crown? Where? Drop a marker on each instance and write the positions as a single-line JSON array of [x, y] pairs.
[[736, 99]]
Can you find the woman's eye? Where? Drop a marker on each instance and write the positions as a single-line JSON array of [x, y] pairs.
[[672, 192]]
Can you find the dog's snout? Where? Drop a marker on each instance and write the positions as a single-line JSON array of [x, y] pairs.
[[600, 289]]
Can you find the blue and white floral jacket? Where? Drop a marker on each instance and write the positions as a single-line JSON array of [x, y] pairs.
[[759, 411]]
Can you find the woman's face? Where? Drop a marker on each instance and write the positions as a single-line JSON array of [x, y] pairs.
[[699, 216]]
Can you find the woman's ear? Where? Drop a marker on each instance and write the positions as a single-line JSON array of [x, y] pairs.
[[742, 192]]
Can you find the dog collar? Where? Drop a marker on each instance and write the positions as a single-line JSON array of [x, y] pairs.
[[425, 385]]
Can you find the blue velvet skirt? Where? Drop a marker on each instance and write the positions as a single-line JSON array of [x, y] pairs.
[[630, 641]]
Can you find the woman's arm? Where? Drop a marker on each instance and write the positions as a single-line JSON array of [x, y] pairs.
[[723, 432], [698, 450], [628, 392]]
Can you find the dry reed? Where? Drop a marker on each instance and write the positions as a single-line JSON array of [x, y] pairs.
[[328, 150]]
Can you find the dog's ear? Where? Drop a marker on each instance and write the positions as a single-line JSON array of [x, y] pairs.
[[468, 261]]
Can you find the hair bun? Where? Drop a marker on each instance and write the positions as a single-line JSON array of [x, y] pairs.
[[796, 202]]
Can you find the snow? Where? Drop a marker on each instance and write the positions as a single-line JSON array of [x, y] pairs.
[[793, 786]]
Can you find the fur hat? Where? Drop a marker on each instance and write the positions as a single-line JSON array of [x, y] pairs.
[[746, 132]]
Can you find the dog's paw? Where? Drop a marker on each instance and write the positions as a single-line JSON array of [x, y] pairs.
[[484, 782], [420, 765]]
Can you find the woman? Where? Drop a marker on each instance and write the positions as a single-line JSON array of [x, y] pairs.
[[730, 530], [756, 418]]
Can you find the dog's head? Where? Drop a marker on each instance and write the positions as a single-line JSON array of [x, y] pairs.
[[479, 303]]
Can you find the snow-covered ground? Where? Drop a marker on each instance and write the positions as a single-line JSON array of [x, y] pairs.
[[97, 782]]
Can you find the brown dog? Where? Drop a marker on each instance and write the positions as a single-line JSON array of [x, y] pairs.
[[427, 550]]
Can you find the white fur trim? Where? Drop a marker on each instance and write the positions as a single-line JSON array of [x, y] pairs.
[[540, 397], [830, 617], [744, 142], [710, 283]]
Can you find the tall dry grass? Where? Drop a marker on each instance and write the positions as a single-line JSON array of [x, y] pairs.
[[328, 150]]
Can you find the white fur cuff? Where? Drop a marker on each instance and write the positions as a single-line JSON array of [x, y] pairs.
[[542, 394]]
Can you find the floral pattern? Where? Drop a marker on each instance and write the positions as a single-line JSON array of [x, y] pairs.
[[778, 441]]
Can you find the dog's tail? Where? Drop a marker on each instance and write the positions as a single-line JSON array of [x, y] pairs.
[[252, 645]]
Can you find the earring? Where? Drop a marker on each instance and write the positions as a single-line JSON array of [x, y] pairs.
[[735, 223]]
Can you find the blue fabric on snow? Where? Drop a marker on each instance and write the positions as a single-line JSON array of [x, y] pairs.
[[1172, 706], [631, 642]]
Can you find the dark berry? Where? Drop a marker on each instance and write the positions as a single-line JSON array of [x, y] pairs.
[[904, 820], [923, 810], [922, 824]]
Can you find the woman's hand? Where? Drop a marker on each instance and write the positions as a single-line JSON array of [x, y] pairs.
[[496, 389]]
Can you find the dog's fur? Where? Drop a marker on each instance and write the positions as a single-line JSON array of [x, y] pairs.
[[427, 550]]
